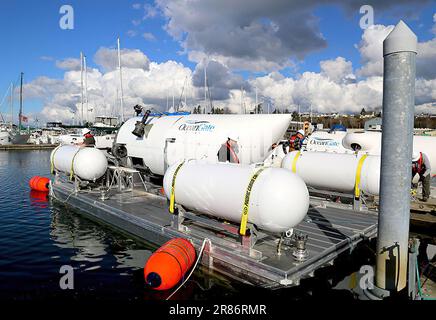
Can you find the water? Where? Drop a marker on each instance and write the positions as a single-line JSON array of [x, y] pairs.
[[38, 236]]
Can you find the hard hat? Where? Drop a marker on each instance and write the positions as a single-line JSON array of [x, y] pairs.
[[233, 136], [301, 131], [85, 131], [415, 156]]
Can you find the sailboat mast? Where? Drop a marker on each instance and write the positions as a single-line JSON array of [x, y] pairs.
[[205, 87], [81, 86], [12, 104], [20, 114], [86, 89], [121, 80]]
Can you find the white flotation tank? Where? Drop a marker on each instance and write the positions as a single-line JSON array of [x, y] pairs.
[[279, 199], [86, 163], [170, 139], [335, 171], [370, 142]]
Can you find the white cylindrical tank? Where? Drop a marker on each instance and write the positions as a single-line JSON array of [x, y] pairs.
[[170, 139], [335, 171], [370, 143], [87, 163], [279, 199]]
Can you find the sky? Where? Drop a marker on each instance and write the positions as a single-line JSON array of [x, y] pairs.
[[312, 54]]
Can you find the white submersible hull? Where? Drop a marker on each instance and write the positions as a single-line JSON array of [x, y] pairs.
[[169, 139]]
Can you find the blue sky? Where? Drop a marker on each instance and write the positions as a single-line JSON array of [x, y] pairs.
[[30, 30]]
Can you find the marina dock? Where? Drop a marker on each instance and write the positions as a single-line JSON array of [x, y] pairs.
[[265, 260], [27, 147]]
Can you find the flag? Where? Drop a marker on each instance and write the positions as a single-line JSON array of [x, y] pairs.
[[24, 118]]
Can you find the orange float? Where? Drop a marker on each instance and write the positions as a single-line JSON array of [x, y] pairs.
[[38, 183], [168, 265]]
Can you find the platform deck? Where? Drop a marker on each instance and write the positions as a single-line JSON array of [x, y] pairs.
[[331, 231]]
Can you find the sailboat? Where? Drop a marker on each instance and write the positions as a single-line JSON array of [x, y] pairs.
[[19, 137], [9, 132]]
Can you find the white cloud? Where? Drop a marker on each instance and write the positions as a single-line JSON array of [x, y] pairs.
[[68, 64], [131, 58], [132, 33], [148, 36], [371, 51], [338, 70]]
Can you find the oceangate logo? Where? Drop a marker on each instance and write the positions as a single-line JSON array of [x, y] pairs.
[[324, 142], [193, 125]]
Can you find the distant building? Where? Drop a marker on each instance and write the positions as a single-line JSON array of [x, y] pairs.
[[374, 124]]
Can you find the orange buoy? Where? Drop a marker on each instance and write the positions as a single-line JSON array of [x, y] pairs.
[[38, 183], [168, 265]]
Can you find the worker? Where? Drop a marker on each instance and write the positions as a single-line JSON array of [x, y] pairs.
[[138, 110], [229, 149], [421, 171], [88, 138], [296, 140]]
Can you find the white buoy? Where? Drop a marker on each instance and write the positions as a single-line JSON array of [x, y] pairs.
[[335, 171], [86, 163], [278, 201]]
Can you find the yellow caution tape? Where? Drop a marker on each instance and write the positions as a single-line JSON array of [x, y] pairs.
[[244, 218], [294, 162], [358, 173], [72, 165], [173, 184]]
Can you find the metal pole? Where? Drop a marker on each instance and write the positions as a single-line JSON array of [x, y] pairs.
[[121, 81], [81, 88], [86, 88], [205, 86], [12, 104], [399, 51], [20, 114]]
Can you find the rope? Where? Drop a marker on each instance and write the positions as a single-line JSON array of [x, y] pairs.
[[419, 284], [200, 253]]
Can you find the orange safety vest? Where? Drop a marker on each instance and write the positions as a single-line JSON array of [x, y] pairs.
[[418, 166], [295, 141]]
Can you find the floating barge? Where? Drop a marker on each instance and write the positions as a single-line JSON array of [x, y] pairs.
[[260, 259]]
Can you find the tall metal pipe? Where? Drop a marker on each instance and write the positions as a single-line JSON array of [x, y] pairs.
[[399, 52]]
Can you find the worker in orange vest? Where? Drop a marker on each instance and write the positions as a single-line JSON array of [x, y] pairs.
[[421, 171]]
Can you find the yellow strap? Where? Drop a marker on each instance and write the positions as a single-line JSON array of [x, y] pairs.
[[245, 208], [294, 162], [52, 159], [173, 184], [358, 172], [72, 165]]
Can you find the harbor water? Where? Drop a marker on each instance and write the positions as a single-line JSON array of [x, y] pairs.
[[38, 236]]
